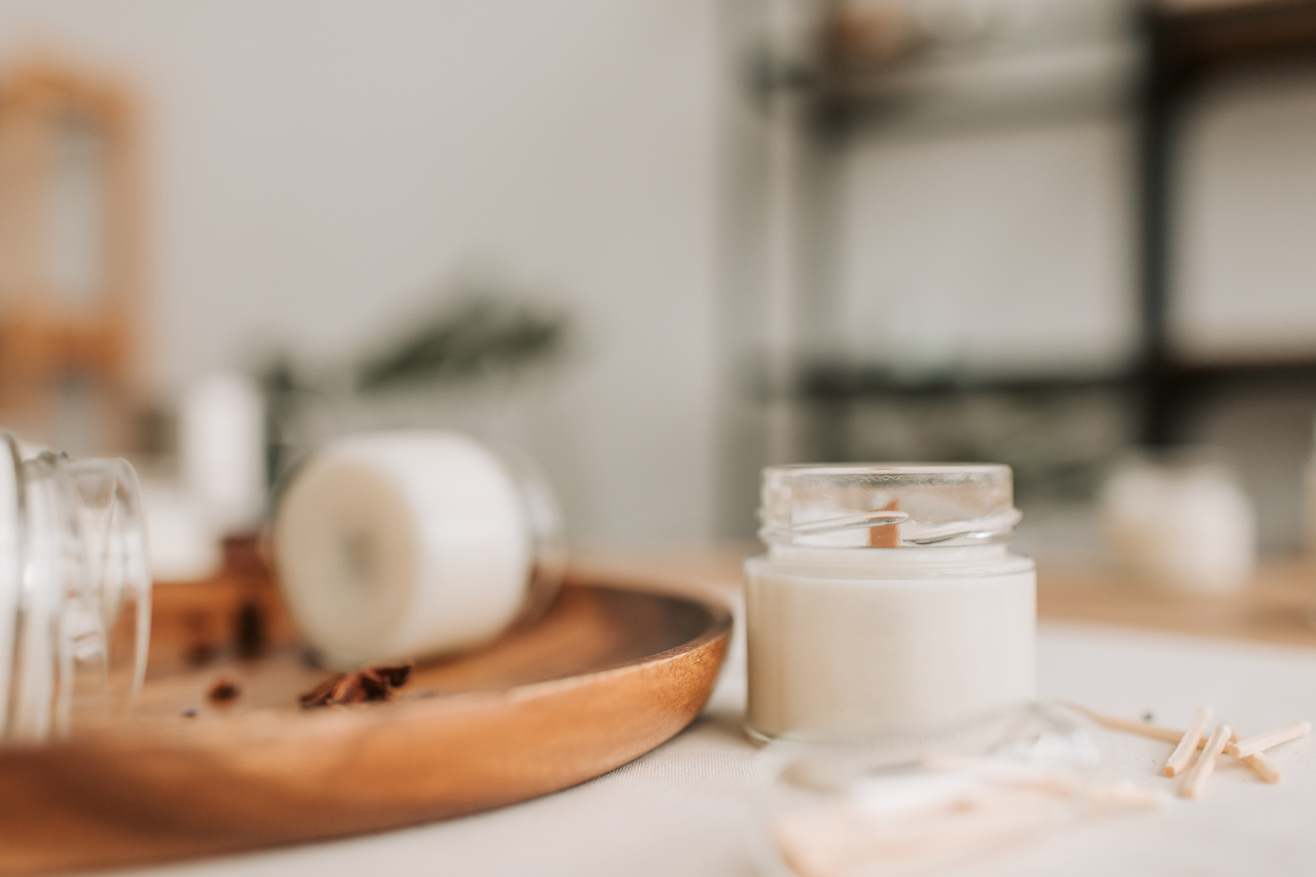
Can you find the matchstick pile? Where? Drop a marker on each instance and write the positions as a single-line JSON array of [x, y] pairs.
[[1224, 740], [958, 809]]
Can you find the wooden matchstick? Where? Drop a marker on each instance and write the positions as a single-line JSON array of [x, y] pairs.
[[1187, 748], [1194, 782], [1259, 764], [1131, 726], [1262, 767], [1264, 741]]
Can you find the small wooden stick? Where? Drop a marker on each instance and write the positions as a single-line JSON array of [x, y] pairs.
[[1262, 767], [1194, 782], [1131, 726], [1264, 741], [1187, 748]]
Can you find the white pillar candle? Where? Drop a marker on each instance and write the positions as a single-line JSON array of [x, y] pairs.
[[222, 449], [1181, 523], [185, 543], [404, 544]]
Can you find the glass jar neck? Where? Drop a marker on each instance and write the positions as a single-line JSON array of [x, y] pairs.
[[887, 506], [871, 557]]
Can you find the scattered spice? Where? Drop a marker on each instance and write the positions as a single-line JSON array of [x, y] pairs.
[[200, 653], [224, 690], [249, 630], [369, 684]]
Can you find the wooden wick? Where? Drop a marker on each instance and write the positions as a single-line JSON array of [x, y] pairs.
[[885, 535], [1194, 782], [1264, 741], [1187, 748]]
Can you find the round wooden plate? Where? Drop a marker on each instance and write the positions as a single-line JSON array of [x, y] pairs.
[[604, 677]]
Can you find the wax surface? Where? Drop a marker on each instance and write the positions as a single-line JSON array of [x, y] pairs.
[[829, 654], [401, 545]]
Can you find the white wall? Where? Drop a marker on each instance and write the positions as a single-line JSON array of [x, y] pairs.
[[998, 250], [317, 167]]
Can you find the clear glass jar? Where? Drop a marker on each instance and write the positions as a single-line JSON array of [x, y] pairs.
[[75, 593], [888, 604]]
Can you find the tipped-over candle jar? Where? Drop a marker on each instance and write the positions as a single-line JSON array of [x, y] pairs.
[[397, 545], [75, 593], [888, 604]]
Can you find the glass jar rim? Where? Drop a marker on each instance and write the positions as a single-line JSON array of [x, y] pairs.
[[883, 505], [891, 468]]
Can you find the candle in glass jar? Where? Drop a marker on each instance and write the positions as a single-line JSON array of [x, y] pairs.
[[929, 631]]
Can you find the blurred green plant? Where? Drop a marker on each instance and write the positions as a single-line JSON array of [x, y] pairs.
[[476, 337], [480, 335]]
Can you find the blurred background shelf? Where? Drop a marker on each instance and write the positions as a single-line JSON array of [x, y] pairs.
[[895, 83], [1044, 231], [1193, 39]]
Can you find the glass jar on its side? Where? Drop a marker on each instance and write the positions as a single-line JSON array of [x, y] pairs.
[[75, 593], [888, 603]]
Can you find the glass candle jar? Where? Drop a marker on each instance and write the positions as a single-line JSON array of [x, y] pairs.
[[1177, 519], [75, 593], [888, 602]]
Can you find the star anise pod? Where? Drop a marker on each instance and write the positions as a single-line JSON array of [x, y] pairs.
[[368, 684]]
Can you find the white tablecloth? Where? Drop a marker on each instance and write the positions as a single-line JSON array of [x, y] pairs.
[[688, 807]]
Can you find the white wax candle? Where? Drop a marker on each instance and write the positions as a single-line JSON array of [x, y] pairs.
[[901, 640], [185, 543], [222, 449], [1184, 526], [399, 545]]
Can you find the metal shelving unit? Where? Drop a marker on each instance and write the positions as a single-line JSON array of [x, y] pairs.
[[1185, 47], [1189, 47]]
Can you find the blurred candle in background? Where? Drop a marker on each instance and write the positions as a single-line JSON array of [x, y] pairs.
[[222, 450], [183, 544], [1180, 522]]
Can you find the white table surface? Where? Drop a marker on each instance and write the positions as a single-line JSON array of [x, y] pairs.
[[688, 807]]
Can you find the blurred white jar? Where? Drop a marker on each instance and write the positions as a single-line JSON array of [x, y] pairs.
[[1179, 521], [397, 545]]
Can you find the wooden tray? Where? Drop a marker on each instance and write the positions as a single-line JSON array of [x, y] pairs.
[[606, 676]]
